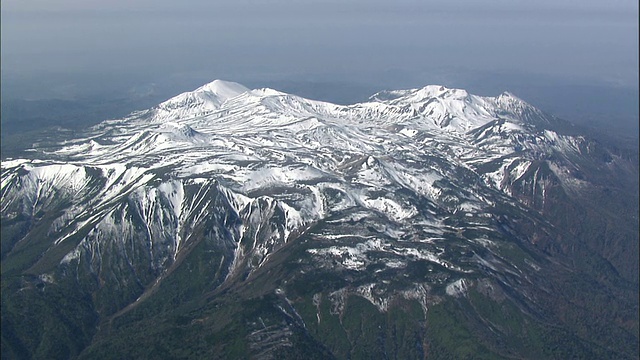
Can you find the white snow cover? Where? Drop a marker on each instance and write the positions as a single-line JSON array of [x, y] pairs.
[[457, 288]]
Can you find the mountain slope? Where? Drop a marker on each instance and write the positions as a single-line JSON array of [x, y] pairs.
[[234, 223]]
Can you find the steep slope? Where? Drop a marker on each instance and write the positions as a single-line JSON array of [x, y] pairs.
[[234, 223]]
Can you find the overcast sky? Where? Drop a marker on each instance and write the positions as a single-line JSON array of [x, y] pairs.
[[245, 39]]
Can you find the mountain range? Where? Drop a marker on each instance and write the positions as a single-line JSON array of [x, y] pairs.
[[227, 222]]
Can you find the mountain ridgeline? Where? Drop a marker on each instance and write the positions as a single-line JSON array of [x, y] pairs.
[[235, 223]]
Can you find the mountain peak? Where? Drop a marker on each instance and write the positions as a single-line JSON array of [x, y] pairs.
[[442, 91], [223, 89], [201, 101], [508, 97]]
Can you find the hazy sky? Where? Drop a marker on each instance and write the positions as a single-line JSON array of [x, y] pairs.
[[251, 39]]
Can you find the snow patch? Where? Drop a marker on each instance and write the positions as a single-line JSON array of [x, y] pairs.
[[458, 288]]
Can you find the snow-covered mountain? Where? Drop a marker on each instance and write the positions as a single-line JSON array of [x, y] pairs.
[[483, 195]]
